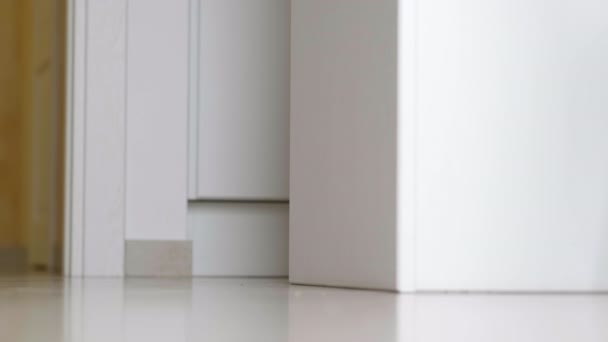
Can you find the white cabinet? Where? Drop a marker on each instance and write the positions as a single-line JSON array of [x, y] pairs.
[[240, 99], [450, 144], [239, 136]]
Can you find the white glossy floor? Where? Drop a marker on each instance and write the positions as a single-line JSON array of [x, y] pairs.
[[44, 309]]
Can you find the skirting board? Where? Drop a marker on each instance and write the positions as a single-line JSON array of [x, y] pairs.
[[239, 238], [147, 258]]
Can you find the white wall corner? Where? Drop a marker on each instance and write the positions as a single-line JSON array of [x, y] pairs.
[[406, 145]]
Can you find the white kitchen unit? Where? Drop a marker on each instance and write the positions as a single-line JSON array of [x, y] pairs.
[[450, 145], [239, 136], [242, 100]]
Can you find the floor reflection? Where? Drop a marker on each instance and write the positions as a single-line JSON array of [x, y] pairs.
[[53, 309]]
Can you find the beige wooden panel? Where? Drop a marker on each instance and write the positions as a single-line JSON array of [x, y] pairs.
[[10, 118], [31, 126]]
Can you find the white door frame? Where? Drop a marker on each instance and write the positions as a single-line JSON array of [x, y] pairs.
[[95, 138]]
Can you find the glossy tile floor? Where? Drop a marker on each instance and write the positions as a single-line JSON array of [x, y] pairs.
[[109, 310]]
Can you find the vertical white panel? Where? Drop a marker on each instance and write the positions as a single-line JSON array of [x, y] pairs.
[[74, 198], [193, 99], [104, 140], [157, 119], [407, 145], [513, 151], [243, 144], [344, 143]]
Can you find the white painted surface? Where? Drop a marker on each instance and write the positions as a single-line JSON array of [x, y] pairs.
[[157, 124], [193, 98], [513, 154], [407, 144], [243, 104], [97, 126], [501, 156], [239, 239], [344, 143], [111, 125], [239, 136]]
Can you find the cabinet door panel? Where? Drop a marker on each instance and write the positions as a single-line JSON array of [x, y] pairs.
[[243, 99]]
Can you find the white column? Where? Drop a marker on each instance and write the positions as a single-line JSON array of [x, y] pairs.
[[344, 116], [449, 145]]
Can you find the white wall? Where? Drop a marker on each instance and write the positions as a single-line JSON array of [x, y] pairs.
[[513, 154], [157, 119], [497, 146]]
